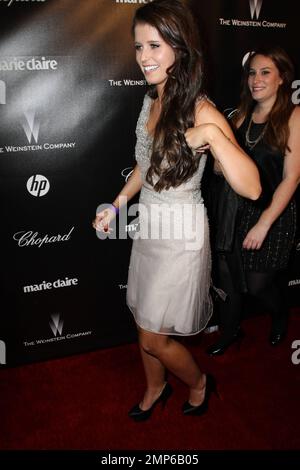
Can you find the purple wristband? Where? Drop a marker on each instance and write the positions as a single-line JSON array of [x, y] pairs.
[[114, 208]]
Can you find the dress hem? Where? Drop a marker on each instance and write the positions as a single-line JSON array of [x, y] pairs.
[[172, 334]]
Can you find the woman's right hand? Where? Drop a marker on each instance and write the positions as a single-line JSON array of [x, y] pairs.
[[103, 219]]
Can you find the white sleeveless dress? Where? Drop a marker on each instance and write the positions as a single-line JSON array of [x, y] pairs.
[[170, 265]]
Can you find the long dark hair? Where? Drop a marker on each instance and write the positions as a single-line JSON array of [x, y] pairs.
[[277, 131], [176, 25]]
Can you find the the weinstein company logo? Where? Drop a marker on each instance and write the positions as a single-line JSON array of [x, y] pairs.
[[56, 324], [31, 126], [255, 7], [2, 92], [255, 21], [2, 353], [38, 185]]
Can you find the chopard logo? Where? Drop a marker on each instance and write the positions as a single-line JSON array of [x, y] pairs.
[[126, 173], [255, 7], [31, 238]]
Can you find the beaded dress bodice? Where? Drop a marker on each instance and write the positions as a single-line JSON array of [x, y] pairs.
[[190, 191]]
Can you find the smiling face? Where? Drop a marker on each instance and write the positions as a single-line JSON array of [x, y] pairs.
[[264, 79], [153, 54]]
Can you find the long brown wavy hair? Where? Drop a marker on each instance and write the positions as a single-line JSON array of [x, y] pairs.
[[277, 130], [184, 85]]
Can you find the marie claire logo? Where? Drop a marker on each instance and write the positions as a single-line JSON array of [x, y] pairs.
[[2, 92], [31, 238], [44, 286], [31, 64], [2, 353], [56, 324], [294, 282], [255, 12], [38, 185]]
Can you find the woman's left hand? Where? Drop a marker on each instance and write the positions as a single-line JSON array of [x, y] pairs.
[[255, 237], [196, 138]]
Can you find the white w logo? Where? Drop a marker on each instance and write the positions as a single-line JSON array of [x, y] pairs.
[[255, 7], [2, 92], [2, 352], [56, 324], [31, 128]]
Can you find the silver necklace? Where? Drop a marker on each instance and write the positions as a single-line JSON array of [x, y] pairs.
[[251, 143]]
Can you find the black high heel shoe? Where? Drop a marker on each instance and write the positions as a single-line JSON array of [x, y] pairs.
[[210, 387], [138, 414], [220, 347]]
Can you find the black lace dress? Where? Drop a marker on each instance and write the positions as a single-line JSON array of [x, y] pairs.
[[275, 251]]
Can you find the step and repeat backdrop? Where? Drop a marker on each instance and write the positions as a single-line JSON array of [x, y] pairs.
[[70, 95]]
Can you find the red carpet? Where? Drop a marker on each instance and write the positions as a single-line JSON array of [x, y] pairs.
[[81, 402]]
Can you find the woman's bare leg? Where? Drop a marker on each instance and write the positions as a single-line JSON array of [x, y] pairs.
[[155, 377], [159, 352]]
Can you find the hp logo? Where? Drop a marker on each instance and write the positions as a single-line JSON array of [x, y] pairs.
[[38, 185]]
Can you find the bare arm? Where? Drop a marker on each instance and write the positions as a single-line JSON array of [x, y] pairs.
[[131, 188], [239, 170], [284, 191]]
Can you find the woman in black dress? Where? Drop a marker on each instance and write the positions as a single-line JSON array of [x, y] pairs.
[[254, 239]]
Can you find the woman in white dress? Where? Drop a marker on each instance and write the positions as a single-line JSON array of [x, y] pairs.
[[169, 272]]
